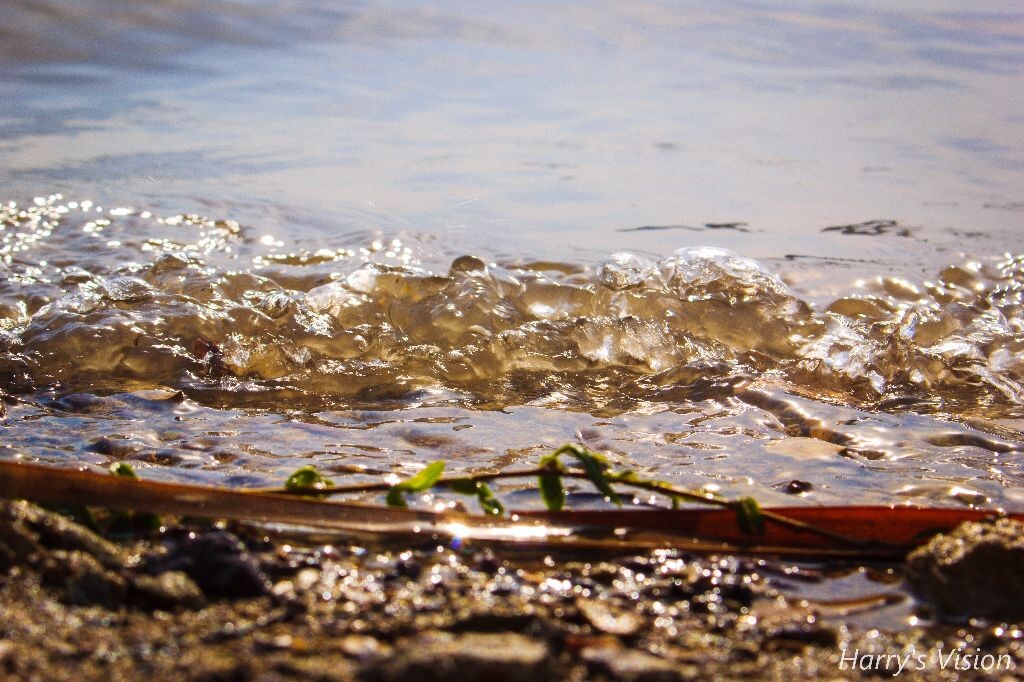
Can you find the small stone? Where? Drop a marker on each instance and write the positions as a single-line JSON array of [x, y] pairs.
[[306, 579], [217, 561], [606, 619], [86, 582], [284, 589], [472, 656], [18, 544], [119, 448], [168, 590], [795, 487], [325, 667], [973, 571], [363, 647], [59, 532], [275, 643], [75, 275], [631, 665]]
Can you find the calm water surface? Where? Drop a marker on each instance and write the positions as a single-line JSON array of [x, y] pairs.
[[730, 244]]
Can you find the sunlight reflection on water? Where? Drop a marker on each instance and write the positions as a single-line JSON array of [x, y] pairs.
[[868, 157]]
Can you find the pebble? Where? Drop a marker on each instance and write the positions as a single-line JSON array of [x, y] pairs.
[[53, 530], [634, 666], [168, 590], [606, 619], [217, 561], [470, 657], [86, 582]]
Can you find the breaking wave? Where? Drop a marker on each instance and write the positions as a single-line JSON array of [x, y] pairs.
[[98, 300]]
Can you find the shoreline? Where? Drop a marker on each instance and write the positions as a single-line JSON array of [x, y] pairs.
[[201, 600]]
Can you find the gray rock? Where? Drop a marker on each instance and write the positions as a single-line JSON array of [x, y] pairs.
[[974, 571]]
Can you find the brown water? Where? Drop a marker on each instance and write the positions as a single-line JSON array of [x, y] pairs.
[[731, 246]]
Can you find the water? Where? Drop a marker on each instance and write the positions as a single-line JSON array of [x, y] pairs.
[[730, 245]]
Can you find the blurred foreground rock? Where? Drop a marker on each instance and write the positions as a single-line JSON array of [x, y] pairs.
[[974, 571]]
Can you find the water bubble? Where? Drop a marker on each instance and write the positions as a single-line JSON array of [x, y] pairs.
[[128, 290], [625, 271], [711, 272], [332, 299]]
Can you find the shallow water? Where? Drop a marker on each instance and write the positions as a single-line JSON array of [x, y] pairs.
[[729, 245]]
